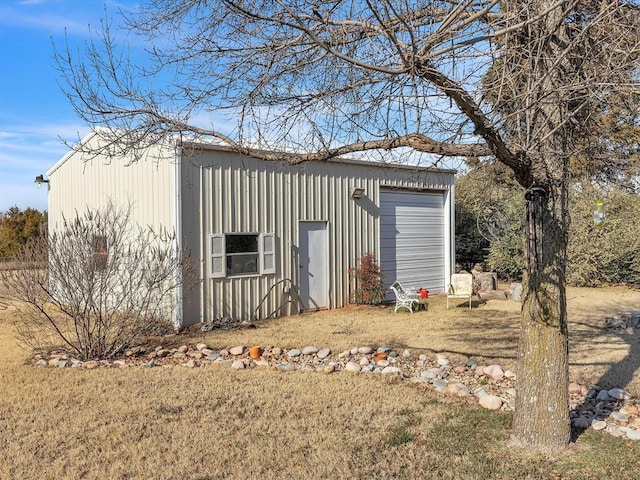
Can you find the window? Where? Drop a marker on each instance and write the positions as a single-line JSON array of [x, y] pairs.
[[233, 254], [100, 251]]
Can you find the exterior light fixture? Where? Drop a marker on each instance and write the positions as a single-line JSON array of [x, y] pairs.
[[40, 180], [356, 192]]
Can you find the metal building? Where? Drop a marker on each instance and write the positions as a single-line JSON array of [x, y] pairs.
[[269, 237]]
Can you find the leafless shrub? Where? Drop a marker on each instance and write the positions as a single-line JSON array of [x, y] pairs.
[[107, 282]]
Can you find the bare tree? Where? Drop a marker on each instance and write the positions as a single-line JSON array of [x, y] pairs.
[[517, 82], [96, 286]]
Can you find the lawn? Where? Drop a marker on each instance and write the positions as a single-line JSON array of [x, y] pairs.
[[212, 423]]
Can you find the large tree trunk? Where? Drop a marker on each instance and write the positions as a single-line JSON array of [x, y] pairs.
[[541, 419]]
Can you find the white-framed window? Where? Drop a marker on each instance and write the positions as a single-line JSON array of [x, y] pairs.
[[240, 254]]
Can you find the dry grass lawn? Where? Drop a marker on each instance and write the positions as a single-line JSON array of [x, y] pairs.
[[170, 423]]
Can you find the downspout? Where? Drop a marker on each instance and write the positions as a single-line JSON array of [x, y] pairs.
[[450, 232], [203, 244], [178, 314]]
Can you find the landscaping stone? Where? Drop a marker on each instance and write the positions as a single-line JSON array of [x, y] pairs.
[[620, 417], [619, 394], [286, 367], [493, 371], [391, 371], [581, 422], [239, 350], [630, 433], [490, 402], [428, 375], [459, 389], [613, 411], [352, 367], [575, 388], [480, 392], [238, 365], [440, 383], [310, 350], [324, 353]]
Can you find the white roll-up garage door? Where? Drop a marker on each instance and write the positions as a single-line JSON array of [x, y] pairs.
[[412, 243]]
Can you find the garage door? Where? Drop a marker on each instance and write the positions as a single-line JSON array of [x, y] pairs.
[[412, 239]]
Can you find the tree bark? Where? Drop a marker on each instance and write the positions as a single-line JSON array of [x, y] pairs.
[[541, 420]]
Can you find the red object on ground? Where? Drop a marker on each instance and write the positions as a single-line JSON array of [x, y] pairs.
[[423, 293]]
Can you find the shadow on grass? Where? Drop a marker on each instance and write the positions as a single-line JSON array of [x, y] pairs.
[[618, 374], [487, 334]]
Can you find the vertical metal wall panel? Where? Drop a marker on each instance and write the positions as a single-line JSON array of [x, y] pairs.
[[147, 185], [249, 195]]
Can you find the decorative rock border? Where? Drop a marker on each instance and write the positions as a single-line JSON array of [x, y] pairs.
[[613, 411]]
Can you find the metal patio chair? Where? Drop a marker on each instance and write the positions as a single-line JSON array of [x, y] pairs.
[[404, 298], [461, 286]]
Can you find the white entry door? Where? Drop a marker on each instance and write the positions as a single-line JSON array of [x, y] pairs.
[[314, 285]]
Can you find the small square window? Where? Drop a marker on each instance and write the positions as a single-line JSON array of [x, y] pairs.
[[100, 251], [242, 254]]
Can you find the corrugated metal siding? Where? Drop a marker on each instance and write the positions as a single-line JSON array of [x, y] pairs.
[[233, 193], [148, 185]]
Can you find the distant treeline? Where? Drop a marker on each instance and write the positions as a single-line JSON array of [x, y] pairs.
[[18, 228]]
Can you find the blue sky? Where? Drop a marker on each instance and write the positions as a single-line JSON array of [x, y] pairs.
[[34, 113]]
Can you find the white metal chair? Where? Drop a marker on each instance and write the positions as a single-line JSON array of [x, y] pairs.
[[404, 298], [461, 286]]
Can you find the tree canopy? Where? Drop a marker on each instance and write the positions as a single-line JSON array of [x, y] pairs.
[[326, 78], [19, 228]]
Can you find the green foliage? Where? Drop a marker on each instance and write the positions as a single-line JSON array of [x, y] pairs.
[[19, 229], [596, 255], [606, 254], [369, 287], [489, 187], [506, 254], [471, 247]]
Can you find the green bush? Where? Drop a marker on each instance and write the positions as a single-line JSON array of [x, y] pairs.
[[606, 254]]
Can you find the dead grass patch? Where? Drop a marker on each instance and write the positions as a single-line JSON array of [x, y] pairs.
[[209, 423]]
